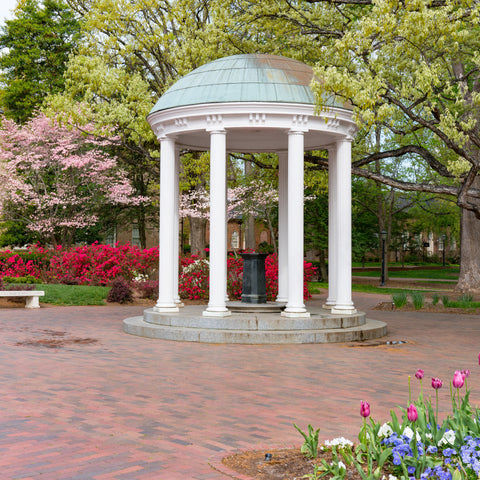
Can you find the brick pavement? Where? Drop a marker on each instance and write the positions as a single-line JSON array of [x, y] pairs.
[[104, 405]]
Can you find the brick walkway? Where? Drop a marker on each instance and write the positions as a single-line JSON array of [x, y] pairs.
[[105, 405]]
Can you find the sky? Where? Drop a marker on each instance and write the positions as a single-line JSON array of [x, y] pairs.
[[6, 7]]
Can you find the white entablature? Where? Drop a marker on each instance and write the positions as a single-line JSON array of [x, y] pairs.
[[190, 125]]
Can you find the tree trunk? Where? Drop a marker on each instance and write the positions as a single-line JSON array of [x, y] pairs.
[[469, 278], [142, 227], [250, 242], [323, 273], [198, 230]]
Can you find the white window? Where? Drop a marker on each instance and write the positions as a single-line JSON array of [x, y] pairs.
[[235, 240], [111, 236], [135, 235]]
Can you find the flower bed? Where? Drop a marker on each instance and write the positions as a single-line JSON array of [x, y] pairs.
[[414, 445]]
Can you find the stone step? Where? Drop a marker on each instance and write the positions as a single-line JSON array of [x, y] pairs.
[[369, 330], [191, 317]]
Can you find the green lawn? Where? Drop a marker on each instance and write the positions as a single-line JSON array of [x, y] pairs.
[[73, 294], [315, 287], [447, 273]]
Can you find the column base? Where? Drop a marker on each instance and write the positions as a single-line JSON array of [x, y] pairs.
[[342, 310], [295, 314], [162, 309], [329, 304], [281, 300], [179, 303], [216, 312]]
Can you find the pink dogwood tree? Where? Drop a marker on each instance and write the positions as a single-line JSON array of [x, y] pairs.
[[57, 179], [258, 199]]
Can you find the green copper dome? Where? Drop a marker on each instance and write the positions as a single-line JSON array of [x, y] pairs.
[[243, 78]]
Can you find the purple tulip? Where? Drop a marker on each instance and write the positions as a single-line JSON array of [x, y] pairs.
[[436, 383], [419, 373], [412, 413], [364, 409], [458, 379]]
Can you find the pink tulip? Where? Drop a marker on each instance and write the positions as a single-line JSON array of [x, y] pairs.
[[466, 373], [458, 379], [419, 373], [436, 383], [412, 413], [364, 409]]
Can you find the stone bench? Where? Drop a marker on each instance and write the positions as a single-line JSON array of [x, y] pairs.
[[31, 296]]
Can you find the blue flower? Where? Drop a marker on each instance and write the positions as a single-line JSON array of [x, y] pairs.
[[448, 452], [411, 470], [432, 449]]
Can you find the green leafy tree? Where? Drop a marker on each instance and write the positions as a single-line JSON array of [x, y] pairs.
[[35, 45], [409, 68]]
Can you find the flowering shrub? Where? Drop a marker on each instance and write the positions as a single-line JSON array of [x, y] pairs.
[[415, 446], [193, 282], [87, 265]]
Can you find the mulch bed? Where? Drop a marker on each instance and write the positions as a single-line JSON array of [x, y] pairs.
[[285, 464]]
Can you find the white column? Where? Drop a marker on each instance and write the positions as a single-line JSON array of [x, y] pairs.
[[332, 228], [218, 226], [295, 306], [166, 272], [282, 296], [176, 230], [343, 219]]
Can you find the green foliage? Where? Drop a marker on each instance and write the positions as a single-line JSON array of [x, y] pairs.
[[310, 445], [435, 298], [400, 299], [36, 45], [418, 300], [27, 279], [445, 301], [15, 234]]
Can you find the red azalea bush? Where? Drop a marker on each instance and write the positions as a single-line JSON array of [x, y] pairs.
[[94, 264], [193, 282], [99, 264]]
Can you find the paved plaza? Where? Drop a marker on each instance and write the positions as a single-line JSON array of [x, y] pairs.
[[81, 400]]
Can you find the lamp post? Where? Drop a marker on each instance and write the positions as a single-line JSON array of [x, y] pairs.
[[443, 237], [383, 236]]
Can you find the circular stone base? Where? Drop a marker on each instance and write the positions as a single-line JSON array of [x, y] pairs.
[[190, 325]]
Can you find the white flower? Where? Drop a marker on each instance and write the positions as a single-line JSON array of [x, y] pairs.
[[429, 436], [342, 441], [385, 430], [341, 465], [448, 437], [408, 432], [390, 477]]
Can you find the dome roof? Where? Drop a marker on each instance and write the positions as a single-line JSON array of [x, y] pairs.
[[244, 78]]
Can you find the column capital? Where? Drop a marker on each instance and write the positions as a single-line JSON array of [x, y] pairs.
[[295, 130], [216, 131], [167, 138]]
